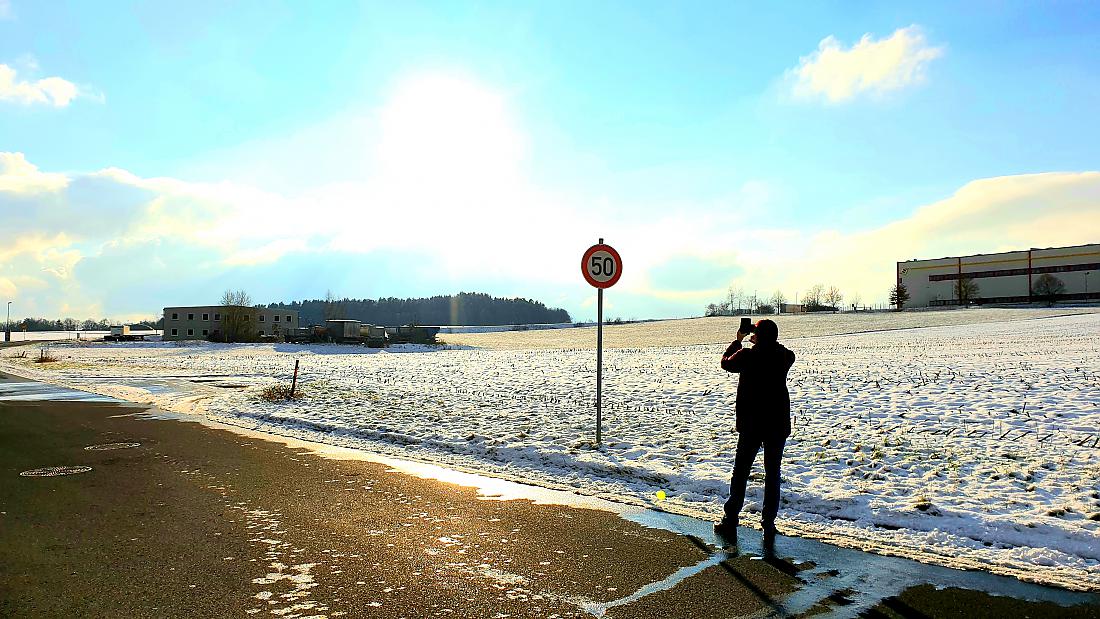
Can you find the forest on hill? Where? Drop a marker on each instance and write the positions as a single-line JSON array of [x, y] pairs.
[[466, 308]]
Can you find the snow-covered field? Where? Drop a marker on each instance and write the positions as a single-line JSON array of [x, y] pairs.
[[972, 445], [720, 329]]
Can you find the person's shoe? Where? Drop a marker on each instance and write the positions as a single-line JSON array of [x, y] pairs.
[[726, 531]]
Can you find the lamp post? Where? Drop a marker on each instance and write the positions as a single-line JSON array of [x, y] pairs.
[[7, 323]]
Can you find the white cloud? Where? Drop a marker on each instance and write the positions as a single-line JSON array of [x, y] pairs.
[[266, 253], [53, 91], [17, 175], [5, 10], [873, 67]]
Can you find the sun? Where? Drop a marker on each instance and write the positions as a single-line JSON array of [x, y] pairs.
[[449, 131]]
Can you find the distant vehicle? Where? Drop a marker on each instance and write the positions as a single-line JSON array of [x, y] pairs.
[[412, 334], [121, 333], [298, 335], [341, 332], [374, 336]]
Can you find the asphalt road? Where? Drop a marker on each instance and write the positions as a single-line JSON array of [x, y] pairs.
[[200, 522]]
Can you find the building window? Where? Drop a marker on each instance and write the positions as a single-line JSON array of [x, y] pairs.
[[175, 332], [206, 316], [247, 317], [190, 332], [217, 316], [288, 317], [190, 317], [205, 332], [261, 332], [276, 318], [262, 317], [175, 316]]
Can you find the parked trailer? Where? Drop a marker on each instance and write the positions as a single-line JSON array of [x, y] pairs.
[[299, 335], [121, 333], [374, 336], [343, 330], [412, 334], [354, 331]]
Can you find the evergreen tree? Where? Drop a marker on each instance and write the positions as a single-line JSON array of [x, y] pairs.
[[899, 295]]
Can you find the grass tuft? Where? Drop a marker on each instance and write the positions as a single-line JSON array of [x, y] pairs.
[[279, 393]]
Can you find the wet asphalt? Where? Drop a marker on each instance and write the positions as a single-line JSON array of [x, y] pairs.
[[177, 519]]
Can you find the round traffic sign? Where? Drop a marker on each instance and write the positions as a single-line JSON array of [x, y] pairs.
[[602, 265]]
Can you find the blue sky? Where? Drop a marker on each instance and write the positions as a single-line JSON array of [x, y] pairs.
[[157, 153]]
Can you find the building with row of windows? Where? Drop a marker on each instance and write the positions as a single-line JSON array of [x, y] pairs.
[[210, 322], [1003, 278]]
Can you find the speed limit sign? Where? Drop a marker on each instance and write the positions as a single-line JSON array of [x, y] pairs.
[[602, 265]]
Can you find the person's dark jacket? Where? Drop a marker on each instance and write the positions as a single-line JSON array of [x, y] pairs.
[[763, 402]]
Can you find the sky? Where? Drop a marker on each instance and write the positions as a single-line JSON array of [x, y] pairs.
[[156, 154]]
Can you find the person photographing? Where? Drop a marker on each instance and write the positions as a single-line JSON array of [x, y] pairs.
[[763, 411]]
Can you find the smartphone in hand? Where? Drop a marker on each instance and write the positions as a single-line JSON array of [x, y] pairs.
[[746, 325]]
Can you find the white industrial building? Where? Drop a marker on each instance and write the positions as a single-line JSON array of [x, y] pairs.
[[1003, 278]]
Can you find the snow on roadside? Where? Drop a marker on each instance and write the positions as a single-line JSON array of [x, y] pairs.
[[971, 446]]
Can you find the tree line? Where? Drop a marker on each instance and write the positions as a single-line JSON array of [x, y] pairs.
[[466, 308], [72, 324], [818, 298]]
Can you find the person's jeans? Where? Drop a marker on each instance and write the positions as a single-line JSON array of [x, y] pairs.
[[747, 446]]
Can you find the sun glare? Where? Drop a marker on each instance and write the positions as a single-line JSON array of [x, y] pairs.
[[449, 131]]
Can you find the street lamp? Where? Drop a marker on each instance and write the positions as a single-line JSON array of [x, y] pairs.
[[7, 323]]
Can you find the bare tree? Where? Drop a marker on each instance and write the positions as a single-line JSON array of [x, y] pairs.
[[712, 310], [1048, 287], [855, 299], [778, 299], [69, 324], [966, 290], [752, 302], [833, 297], [814, 297], [735, 295], [333, 308], [236, 313]]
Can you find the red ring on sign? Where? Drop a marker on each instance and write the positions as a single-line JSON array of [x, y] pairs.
[[618, 265]]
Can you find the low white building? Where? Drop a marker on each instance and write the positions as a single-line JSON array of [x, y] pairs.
[[1007, 277]]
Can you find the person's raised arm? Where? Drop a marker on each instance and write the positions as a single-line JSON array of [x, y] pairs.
[[734, 358]]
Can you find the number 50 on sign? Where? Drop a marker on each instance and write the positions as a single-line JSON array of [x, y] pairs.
[[601, 266]]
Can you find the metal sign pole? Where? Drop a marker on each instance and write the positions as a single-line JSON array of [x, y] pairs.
[[599, 361]]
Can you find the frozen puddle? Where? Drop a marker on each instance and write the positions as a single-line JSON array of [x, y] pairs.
[[20, 390]]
